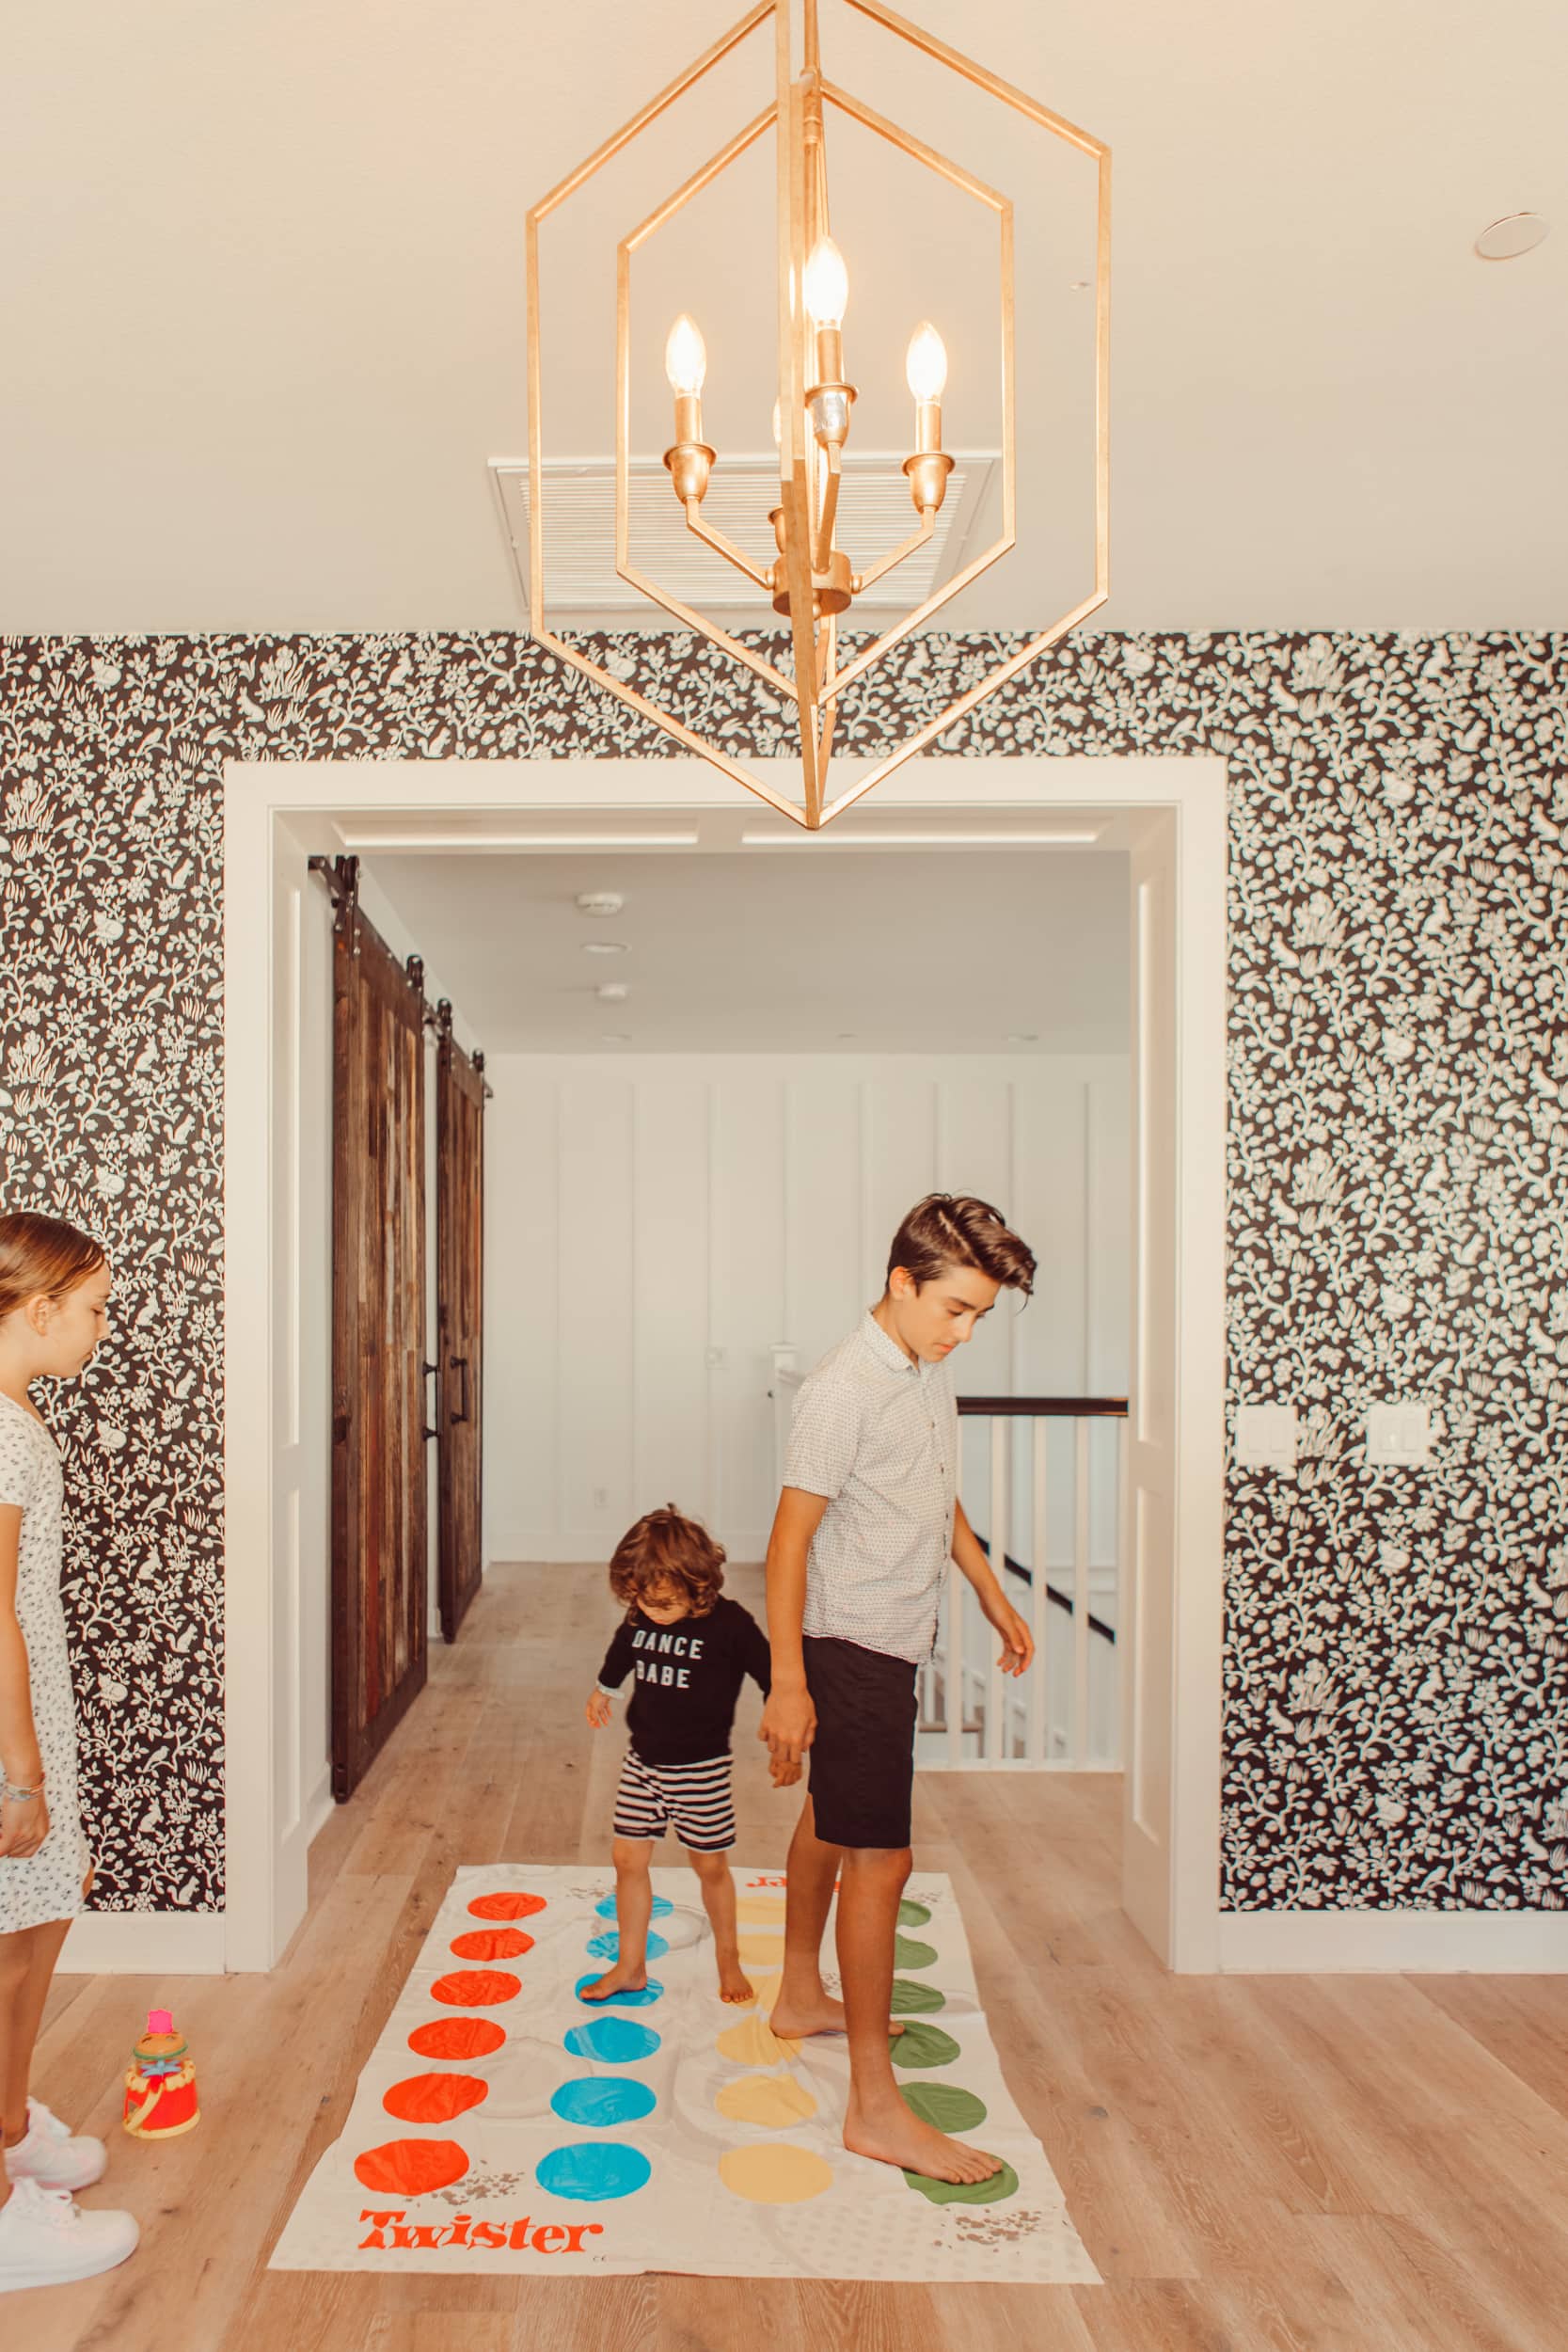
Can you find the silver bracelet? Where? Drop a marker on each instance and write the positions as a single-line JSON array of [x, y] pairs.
[[10, 1795]]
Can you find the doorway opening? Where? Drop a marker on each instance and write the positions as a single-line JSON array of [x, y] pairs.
[[695, 1177]]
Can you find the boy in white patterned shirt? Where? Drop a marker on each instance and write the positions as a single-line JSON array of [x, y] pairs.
[[866, 1523]]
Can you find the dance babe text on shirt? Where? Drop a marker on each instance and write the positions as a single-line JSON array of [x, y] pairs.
[[687, 1645]]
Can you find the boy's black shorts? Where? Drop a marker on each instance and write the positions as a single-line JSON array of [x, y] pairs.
[[863, 1756]]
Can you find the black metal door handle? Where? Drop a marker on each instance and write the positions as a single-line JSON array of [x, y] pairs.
[[460, 1363]]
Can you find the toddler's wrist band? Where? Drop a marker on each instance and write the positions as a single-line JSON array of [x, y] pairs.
[[10, 1795]]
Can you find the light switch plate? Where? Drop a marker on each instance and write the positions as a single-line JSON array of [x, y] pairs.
[[1399, 1435], [1266, 1437]]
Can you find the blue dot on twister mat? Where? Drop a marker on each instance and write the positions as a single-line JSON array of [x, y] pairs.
[[602, 2101], [593, 2171], [653, 1991], [615, 2040], [609, 1947], [662, 1907]]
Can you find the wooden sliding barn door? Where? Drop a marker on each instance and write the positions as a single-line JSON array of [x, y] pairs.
[[459, 1288], [379, 1526]]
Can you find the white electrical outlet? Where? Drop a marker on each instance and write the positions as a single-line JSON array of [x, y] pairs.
[[1266, 1437], [1399, 1437]]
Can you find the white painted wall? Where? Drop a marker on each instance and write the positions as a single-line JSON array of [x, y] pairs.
[[656, 1223]]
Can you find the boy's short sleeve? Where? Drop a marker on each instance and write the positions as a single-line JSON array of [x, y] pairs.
[[824, 1438]]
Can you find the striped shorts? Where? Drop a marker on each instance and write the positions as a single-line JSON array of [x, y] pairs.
[[696, 1799]]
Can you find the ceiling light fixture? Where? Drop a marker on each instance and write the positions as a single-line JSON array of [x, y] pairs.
[[605, 947], [1504, 240], [926, 840], [457, 842], [811, 580], [599, 903], [612, 992]]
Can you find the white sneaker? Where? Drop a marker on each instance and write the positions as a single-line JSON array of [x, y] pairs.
[[54, 2155], [46, 2240]]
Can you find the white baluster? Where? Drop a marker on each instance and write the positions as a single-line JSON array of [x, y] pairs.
[[1080, 1598], [1037, 1748], [996, 1702]]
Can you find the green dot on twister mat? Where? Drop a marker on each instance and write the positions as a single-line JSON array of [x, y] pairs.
[[910, 1997], [943, 2106], [1002, 2184], [907, 1953], [913, 1915], [921, 2045]]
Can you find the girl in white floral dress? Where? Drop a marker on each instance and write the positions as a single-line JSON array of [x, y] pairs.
[[53, 1301]]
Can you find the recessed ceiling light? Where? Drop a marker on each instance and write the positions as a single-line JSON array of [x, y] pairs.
[[599, 903], [612, 992], [605, 947], [1504, 240]]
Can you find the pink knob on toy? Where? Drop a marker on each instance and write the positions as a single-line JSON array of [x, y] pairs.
[[160, 2021]]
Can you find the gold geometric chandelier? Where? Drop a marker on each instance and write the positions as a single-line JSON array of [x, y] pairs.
[[812, 580]]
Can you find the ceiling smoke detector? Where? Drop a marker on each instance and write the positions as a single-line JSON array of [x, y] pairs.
[[599, 903], [1504, 240]]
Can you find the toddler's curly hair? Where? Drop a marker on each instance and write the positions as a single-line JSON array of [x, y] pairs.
[[666, 1551]]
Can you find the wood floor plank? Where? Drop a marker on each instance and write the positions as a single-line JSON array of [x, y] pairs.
[[1256, 2165]]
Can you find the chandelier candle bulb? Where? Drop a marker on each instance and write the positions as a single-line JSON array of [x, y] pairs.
[[689, 458]]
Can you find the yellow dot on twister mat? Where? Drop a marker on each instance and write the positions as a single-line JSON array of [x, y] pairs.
[[765, 1992], [753, 2042], [774, 2176], [775, 2100], [760, 1911], [761, 1951]]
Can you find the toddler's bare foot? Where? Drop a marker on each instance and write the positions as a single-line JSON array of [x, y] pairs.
[[820, 2013], [894, 2134], [623, 1977], [734, 1984]]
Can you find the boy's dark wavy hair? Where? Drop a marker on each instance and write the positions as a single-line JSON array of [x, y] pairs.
[[955, 1229], [667, 1552]]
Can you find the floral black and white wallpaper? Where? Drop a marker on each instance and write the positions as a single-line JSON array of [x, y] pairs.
[[1396, 1719]]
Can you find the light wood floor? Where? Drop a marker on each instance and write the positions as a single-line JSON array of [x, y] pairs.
[[1322, 2165]]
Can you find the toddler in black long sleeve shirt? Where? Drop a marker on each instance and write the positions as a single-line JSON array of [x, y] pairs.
[[689, 1650]]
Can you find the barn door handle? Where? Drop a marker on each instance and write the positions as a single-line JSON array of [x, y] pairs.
[[427, 1431], [460, 1363]]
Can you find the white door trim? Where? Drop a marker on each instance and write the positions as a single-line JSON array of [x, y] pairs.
[[257, 793]]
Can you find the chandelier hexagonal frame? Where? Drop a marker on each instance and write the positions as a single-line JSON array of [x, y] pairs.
[[811, 583]]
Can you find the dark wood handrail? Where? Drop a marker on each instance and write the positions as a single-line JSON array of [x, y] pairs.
[[1045, 1407]]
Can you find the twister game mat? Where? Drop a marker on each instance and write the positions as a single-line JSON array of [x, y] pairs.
[[502, 2124]]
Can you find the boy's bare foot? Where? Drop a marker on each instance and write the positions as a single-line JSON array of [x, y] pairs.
[[894, 2134], [733, 1983], [621, 1978], [823, 2014]]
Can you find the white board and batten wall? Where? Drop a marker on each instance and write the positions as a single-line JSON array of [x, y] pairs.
[[656, 1224]]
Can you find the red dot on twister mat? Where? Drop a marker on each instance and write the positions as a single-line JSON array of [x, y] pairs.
[[506, 1906], [492, 1944], [457, 2038], [433, 2098], [411, 2168], [476, 1988]]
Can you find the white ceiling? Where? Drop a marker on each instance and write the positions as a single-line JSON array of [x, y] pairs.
[[265, 299], [794, 950]]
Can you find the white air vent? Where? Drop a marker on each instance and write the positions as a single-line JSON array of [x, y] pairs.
[[873, 515]]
